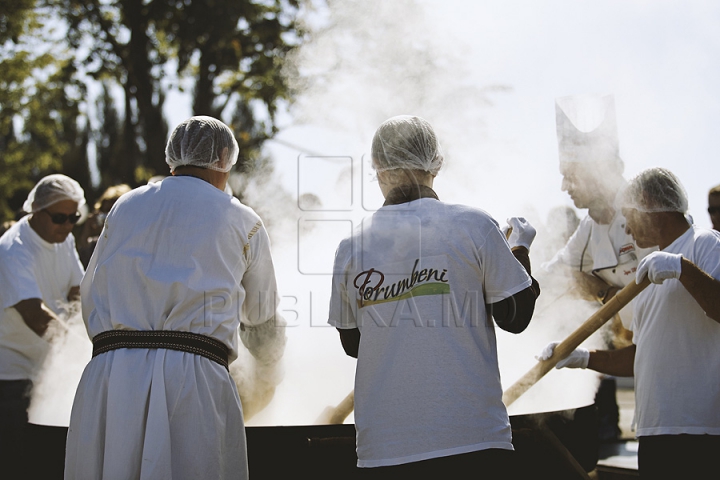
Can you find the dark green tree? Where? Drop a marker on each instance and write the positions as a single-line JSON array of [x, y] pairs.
[[61, 59], [40, 97], [227, 52], [114, 150]]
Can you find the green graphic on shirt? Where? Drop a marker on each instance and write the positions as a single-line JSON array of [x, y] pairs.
[[419, 291], [373, 290]]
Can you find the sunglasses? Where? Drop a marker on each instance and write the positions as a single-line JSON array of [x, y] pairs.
[[713, 210], [61, 218]]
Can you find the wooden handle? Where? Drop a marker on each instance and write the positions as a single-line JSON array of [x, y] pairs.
[[564, 348], [338, 414]]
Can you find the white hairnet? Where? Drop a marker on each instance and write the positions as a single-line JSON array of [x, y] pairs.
[[406, 142], [654, 190], [199, 142], [52, 189]]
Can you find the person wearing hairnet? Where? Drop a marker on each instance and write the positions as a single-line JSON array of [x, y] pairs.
[[674, 357], [414, 292], [180, 268], [600, 254], [40, 273]]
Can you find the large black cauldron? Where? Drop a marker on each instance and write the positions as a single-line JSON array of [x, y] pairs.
[[554, 445]]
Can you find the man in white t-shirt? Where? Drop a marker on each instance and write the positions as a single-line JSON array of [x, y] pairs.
[[676, 333], [601, 255], [180, 268], [414, 293], [40, 275]]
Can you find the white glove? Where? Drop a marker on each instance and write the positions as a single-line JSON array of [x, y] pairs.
[[578, 358], [522, 234], [659, 266]]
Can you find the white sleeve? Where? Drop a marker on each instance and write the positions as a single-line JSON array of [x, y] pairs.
[[342, 314], [17, 277], [707, 254], [575, 253], [503, 275], [259, 282]]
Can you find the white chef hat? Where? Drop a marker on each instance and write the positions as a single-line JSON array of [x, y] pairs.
[[199, 142], [406, 141], [52, 189], [654, 190], [587, 130]]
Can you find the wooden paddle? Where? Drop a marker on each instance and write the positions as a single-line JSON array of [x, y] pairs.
[[338, 414], [564, 348]]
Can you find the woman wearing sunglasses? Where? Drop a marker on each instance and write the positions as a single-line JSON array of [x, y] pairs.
[[39, 273]]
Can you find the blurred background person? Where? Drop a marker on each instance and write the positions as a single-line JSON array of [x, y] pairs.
[[714, 207], [601, 256], [96, 220], [674, 357], [40, 273]]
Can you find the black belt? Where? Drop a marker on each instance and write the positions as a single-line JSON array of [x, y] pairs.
[[203, 345]]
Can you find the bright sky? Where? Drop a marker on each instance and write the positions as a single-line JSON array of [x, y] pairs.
[[658, 59]]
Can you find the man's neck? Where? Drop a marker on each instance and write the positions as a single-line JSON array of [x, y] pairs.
[[674, 225], [408, 193], [602, 214], [213, 177]]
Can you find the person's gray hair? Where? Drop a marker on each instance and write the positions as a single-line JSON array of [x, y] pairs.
[[199, 142], [655, 190], [51, 190], [407, 142]]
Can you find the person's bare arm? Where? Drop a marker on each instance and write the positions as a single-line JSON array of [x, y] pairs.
[[619, 363], [703, 288], [35, 314]]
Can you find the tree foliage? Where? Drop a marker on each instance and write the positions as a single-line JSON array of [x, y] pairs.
[[101, 86], [40, 101], [229, 52]]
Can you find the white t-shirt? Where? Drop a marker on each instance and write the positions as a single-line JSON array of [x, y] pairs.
[[604, 250], [174, 255], [30, 267], [415, 280], [678, 349]]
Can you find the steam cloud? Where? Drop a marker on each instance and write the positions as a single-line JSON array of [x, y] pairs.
[[369, 61], [54, 388]]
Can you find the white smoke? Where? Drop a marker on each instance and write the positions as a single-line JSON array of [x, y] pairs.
[[70, 350], [54, 387], [368, 61]]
